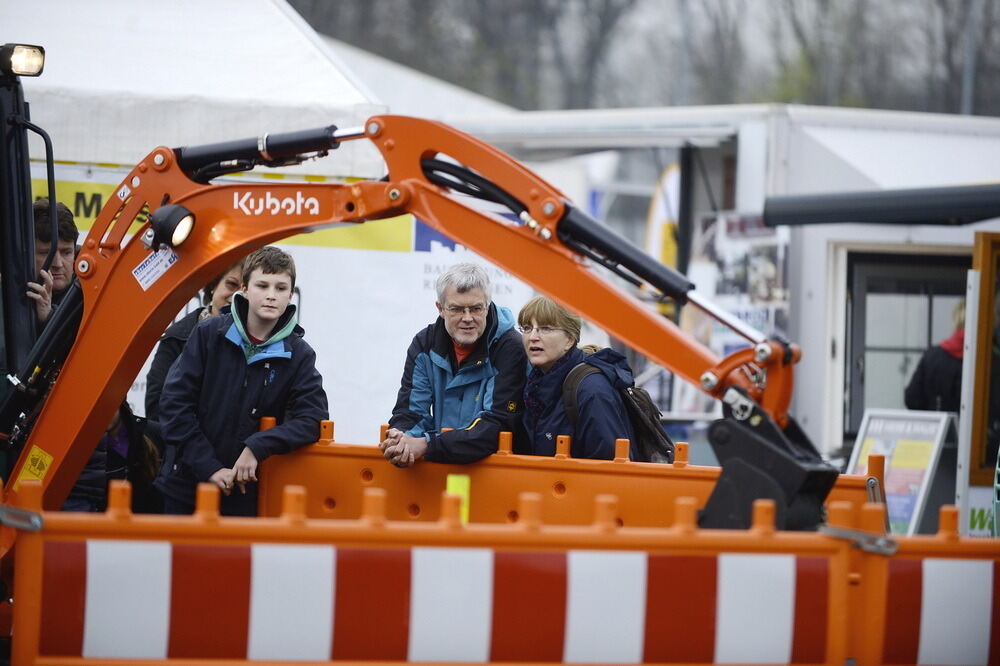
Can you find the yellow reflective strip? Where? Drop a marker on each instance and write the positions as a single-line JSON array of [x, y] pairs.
[[473, 424], [461, 485]]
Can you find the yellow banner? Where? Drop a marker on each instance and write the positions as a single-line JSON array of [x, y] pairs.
[[394, 234], [85, 199]]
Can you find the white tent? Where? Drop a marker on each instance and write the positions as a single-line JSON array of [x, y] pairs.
[[409, 92], [124, 77]]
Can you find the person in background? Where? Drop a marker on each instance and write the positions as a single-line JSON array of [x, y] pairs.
[[936, 384], [465, 371], [550, 334], [216, 295], [235, 369], [122, 453], [49, 292]]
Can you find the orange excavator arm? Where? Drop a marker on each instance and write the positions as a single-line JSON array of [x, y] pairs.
[[131, 287]]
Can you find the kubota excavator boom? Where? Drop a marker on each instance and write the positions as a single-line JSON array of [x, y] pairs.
[[187, 229]]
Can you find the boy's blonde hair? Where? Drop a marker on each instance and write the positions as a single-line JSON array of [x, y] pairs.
[[547, 312]]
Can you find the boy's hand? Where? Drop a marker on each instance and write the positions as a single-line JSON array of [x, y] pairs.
[[224, 479], [245, 469]]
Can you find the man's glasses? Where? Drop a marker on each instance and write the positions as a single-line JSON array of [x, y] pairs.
[[542, 330], [474, 310]]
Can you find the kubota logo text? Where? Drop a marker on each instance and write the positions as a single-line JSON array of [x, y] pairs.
[[268, 204]]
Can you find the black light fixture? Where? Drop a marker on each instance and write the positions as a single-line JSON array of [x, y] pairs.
[[21, 59], [170, 226]]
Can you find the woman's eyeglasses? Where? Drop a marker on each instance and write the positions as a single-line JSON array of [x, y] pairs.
[[542, 330]]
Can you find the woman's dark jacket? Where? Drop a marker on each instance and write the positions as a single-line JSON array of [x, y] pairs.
[[602, 415], [171, 343], [120, 454]]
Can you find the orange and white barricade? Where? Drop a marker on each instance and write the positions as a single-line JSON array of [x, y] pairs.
[[936, 600], [154, 589], [336, 475]]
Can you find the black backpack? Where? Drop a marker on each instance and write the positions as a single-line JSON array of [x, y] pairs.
[[652, 441]]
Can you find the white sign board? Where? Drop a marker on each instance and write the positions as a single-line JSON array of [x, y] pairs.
[[911, 442]]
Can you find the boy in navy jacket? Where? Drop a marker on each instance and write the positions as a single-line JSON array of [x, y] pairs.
[[235, 369]]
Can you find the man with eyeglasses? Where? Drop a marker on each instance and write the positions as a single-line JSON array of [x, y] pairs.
[[463, 380]]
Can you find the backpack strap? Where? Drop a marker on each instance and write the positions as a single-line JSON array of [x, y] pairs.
[[570, 386]]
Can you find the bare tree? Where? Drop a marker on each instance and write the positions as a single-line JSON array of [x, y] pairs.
[[718, 60], [953, 24], [533, 54], [501, 48], [811, 71], [582, 37]]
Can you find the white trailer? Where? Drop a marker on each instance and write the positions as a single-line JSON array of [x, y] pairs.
[[747, 153]]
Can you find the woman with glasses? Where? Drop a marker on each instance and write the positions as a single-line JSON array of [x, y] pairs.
[[550, 334]]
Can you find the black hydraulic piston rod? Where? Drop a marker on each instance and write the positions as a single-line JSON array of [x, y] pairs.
[[576, 228], [585, 234], [267, 149]]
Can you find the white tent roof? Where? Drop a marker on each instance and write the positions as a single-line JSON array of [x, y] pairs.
[[124, 77], [409, 92]]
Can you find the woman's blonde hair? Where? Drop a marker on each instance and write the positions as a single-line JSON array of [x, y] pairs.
[[547, 312], [958, 314]]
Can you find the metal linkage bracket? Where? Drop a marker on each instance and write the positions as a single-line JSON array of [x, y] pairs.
[[20, 519], [874, 491], [741, 405], [875, 495], [879, 544]]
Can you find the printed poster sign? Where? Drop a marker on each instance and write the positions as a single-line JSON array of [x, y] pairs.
[[911, 443]]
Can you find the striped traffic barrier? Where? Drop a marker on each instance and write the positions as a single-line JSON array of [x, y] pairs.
[[935, 601], [118, 586]]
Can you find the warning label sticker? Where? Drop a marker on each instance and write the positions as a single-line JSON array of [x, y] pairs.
[[154, 266], [36, 467]]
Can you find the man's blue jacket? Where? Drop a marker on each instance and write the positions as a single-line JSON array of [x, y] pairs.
[[478, 399]]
